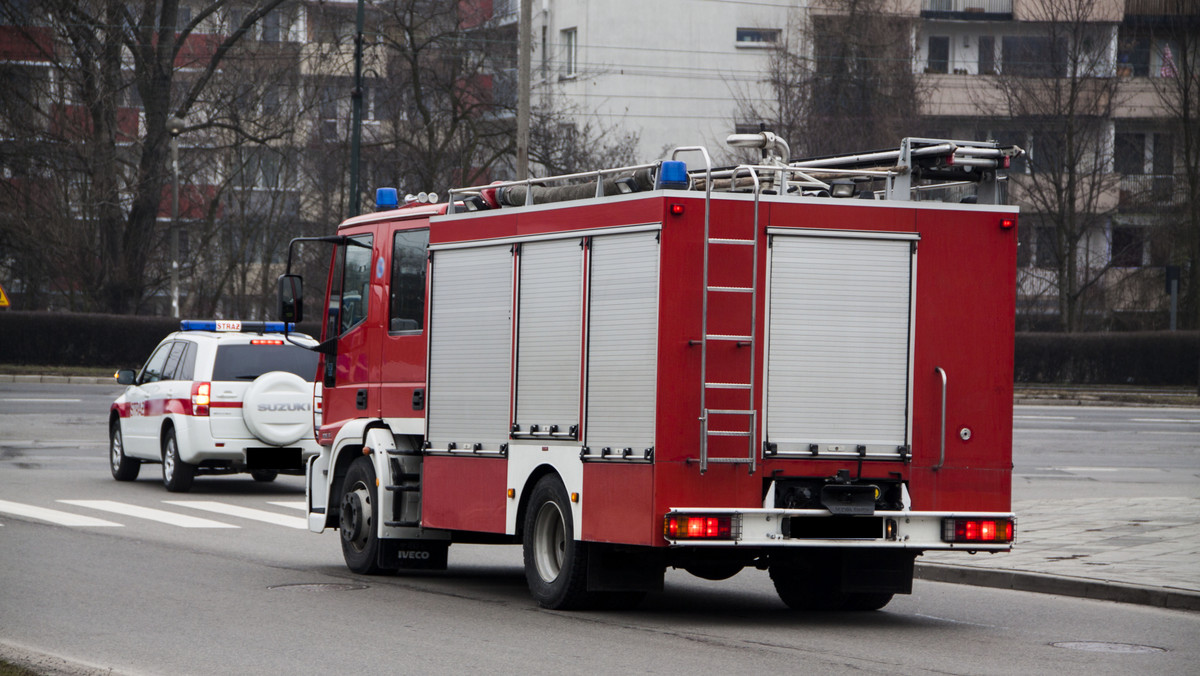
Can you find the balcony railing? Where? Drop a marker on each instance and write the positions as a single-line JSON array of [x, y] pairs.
[[967, 9], [1145, 190]]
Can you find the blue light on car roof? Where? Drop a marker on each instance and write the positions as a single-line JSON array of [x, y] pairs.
[[234, 325]]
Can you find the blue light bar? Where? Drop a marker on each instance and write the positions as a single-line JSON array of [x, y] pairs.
[[234, 325]]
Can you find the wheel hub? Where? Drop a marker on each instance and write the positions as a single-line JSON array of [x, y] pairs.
[[355, 517]]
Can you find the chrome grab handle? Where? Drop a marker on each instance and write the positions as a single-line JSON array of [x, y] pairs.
[[942, 460]]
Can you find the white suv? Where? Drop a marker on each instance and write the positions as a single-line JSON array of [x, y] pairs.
[[217, 397]]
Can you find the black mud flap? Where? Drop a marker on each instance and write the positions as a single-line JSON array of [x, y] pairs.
[[618, 569], [413, 554]]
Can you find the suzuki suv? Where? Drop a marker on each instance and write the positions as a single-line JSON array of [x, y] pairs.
[[217, 397]]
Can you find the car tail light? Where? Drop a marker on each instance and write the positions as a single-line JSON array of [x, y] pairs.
[[700, 527], [978, 530], [200, 398]]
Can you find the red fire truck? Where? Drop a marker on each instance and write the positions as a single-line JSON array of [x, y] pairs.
[[803, 367]]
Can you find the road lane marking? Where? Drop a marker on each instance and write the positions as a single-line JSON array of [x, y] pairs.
[[243, 512], [151, 514], [1175, 421], [43, 401], [292, 504], [1044, 417], [53, 515]]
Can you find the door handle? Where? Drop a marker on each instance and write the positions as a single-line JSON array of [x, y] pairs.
[[942, 460]]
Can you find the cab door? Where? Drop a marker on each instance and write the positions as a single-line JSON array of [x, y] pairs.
[[352, 315], [403, 345]]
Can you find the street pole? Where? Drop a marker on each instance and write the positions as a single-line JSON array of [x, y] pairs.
[[175, 128], [356, 110], [524, 47]]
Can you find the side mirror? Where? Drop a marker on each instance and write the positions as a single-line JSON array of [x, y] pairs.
[[126, 376], [291, 298]]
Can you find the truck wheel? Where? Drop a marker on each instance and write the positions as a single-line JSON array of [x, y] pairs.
[[800, 589], [555, 562], [124, 468], [265, 476], [177, 474], [360, 541], [866, 602]]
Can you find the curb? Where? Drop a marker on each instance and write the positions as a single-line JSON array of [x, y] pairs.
[[62, 380], [1042, 583]]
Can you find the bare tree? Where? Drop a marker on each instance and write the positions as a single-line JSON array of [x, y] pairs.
[[101, 129], [1059, 88], [1178, 91], [841, 79]]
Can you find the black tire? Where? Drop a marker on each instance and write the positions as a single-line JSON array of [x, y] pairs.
[[265, 476], [800, 590], [357, 519], [864, 602], [555, 562], [177, 474], [124, 468]]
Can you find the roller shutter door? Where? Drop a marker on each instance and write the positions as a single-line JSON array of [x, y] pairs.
[[839, 344], [470, 347], [549, 343], [622, 342]]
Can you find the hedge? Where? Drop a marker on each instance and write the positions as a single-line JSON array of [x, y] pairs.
[[69, 339], [1143, 358]]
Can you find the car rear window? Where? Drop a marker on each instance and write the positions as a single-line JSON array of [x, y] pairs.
[[247, 362]]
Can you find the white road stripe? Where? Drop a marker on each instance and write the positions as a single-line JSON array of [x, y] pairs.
[[52, 515], [293, 504], [1043, 417], [159, 515], [1177, 421], [44, 401], [243, 512]]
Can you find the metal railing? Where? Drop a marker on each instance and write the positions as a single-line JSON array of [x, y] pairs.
[[968, 7]]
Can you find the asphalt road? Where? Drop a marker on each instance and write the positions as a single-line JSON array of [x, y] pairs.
[[247, 591]]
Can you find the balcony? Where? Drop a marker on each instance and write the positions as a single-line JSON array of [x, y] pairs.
[[1141, 191], [981, 10]]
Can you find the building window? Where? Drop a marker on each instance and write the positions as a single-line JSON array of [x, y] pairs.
[[1033, 56], [271, 24], [987, 55], [570, 52], [1128, 245], [939, 54], [1129, 154], [329, 114], [1133, 57], [1046, 249], [757, 37]]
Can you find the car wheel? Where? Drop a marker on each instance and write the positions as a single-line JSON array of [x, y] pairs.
[[265, 476], [555, 562], [124, 468], [356, 521], [177, 474]]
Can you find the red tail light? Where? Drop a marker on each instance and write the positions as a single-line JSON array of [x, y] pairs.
[[721, 527], [200, 398], [998, 531], [266, 341]]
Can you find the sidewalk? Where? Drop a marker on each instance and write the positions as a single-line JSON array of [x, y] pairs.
[[1133, 550]]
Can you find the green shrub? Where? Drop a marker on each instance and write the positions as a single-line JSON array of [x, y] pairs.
[[1140, 358]]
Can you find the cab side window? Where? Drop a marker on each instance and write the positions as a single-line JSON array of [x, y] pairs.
[[352, 280], [152, 372], [408, 281]]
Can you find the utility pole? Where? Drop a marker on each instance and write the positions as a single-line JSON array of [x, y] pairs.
[[356, 110], [524, 49], [175, 127]]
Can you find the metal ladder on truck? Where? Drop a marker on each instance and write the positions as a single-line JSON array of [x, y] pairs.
[[747, 339]]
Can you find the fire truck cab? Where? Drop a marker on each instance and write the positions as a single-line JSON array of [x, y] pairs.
[[797, 366]]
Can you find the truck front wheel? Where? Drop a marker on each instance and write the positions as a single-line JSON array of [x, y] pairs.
[[555, 562], [360, 541]]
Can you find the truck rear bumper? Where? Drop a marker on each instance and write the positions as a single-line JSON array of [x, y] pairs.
[[905, 529]]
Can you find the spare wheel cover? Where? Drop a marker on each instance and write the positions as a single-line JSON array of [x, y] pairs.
[[278, 408]]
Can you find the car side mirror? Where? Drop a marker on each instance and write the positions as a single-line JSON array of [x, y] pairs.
[[291, 298], [126, 376]]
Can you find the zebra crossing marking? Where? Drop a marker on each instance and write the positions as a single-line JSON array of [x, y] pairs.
[[54, 516], [243, 512], [160, 515]]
